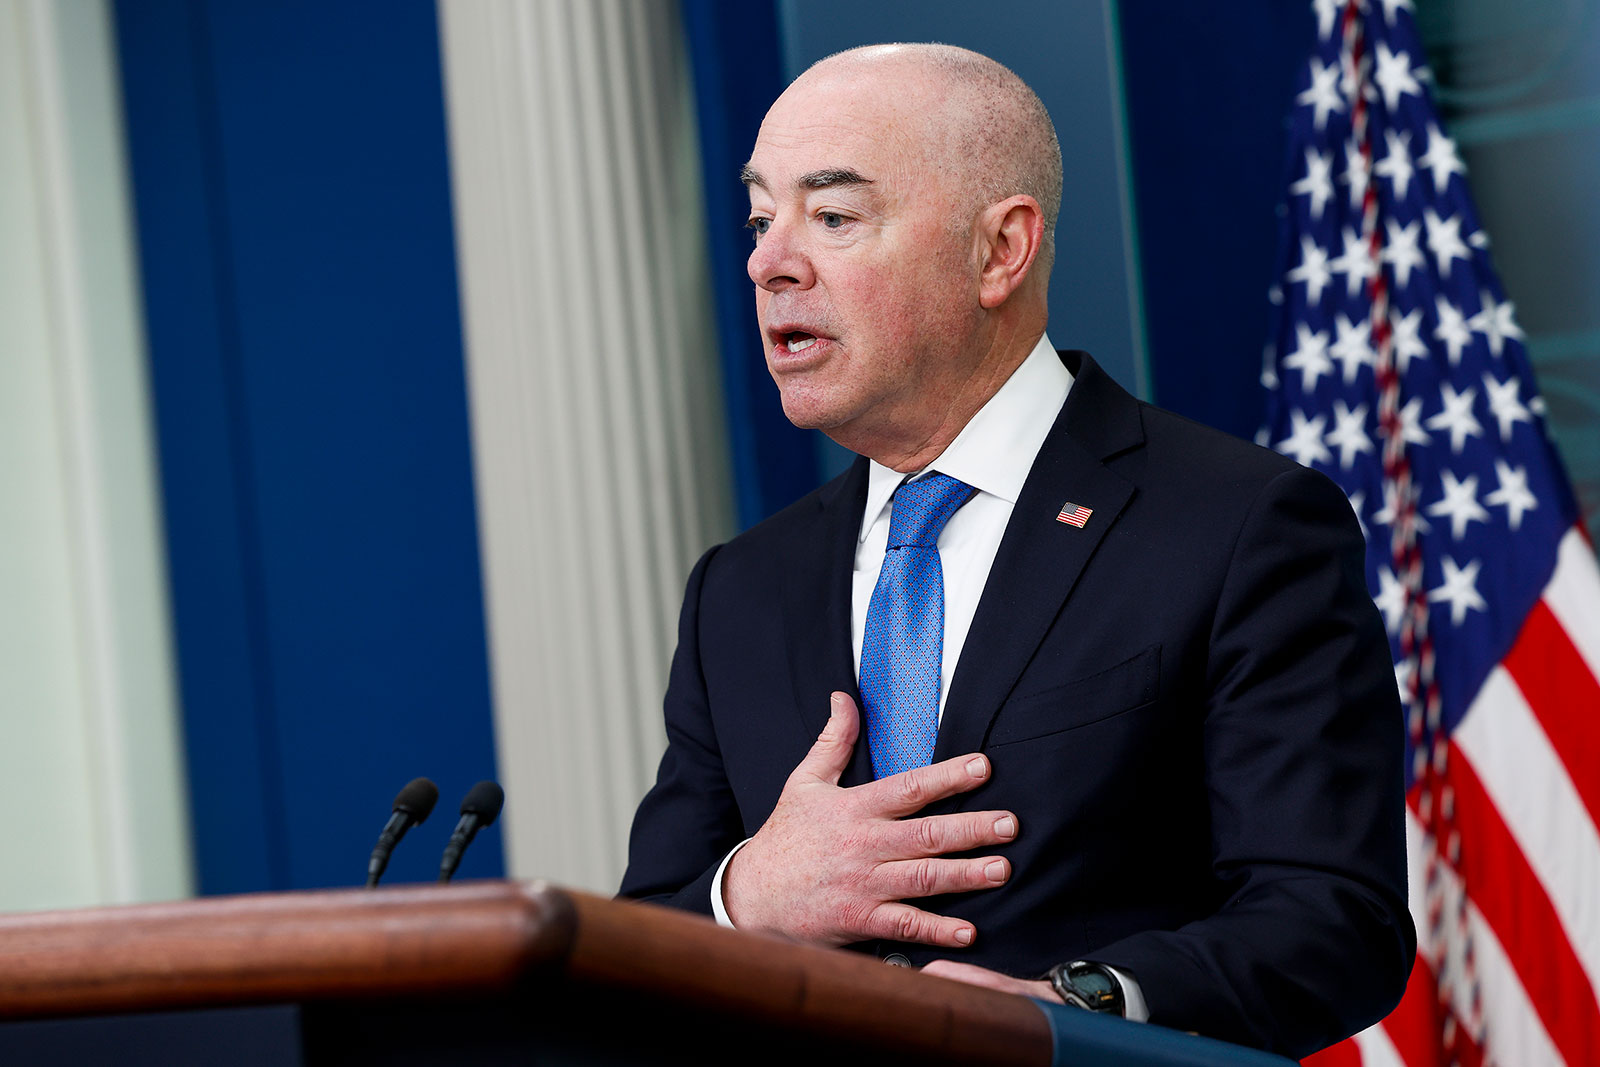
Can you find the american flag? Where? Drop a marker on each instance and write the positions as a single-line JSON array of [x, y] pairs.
[[1397, 367], [1074, 514]]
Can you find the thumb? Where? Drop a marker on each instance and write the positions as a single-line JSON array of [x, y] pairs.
[[831, 754]]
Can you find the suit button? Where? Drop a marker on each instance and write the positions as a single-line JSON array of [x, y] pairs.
[[896, 959]]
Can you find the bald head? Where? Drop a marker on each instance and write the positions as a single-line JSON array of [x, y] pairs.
[[972, 119]]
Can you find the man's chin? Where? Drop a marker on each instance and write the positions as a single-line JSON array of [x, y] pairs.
[[811, 412]]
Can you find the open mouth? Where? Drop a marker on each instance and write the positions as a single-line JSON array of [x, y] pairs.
[[799, 341]]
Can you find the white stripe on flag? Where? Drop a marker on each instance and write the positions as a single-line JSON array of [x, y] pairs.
[[1376, 1048], [1573, 597], [1516, 1036], [1503, 741]]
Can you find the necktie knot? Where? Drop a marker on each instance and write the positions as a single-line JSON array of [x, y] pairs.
[[922, 507]]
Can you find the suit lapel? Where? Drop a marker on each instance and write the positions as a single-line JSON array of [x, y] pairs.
[[816, 604], [1040, 558]]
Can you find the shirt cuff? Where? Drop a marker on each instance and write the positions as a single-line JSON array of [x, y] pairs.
[[1133, 1005], [720, 910]]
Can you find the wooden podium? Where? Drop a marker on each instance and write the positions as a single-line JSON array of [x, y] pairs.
[[503, 973], [499, 972]]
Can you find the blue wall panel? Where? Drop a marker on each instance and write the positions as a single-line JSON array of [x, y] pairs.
[[1208, 97], [292, 198]]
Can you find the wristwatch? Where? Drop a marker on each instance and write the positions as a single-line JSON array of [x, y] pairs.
[[1086, 985]]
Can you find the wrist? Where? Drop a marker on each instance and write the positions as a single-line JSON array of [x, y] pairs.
[[734, 905]]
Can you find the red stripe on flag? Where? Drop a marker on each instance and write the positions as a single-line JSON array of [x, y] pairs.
[[1514, 904], [1415, 1025], [1344, 1054], [1564, 697]]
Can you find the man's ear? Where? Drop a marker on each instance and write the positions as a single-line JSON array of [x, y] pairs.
[[1010, 233]]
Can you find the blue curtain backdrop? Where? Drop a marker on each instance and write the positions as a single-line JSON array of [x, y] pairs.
[[292, 201]]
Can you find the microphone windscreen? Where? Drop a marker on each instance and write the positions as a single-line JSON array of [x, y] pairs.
[[484, 800], [417, 798]]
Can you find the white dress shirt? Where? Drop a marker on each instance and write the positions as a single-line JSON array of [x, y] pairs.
[[993, 453]]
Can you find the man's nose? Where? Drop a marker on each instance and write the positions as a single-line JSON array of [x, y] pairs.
[[779, 260]]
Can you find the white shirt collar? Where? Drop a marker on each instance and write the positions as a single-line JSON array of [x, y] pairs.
[[995, 450]]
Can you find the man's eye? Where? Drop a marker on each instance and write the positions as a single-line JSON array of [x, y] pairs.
[[758, 226], [831, 220]]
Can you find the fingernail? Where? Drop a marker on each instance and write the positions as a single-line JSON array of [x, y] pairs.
[[964, 935], [996, 871], [977, 766], [835, 702], [1005, 826]]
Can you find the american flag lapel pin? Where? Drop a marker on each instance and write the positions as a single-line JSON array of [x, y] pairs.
[[1074, 514]]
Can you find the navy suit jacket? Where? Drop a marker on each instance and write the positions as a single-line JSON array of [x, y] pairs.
[[1188, 702]]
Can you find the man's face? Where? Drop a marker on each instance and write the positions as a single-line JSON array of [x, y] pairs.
[[864, 265]]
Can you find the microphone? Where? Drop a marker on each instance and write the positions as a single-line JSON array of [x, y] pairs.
[[411, 806], [480, 808]]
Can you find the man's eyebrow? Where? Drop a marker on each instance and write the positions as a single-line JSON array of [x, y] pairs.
[[824, 179], [816, 179]]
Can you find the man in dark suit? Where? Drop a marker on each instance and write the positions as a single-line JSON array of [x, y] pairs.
[[1130, 721]]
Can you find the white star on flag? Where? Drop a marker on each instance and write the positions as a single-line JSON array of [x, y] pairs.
[[1313, 270], [1460, 589], [1495, 322], [1390, 7], [1356, 174], [1411, 431], [1444, 240], [1441, 158], [1513, 494], [1504, 403], [1403, 670], [1396, 165], [1327, 11], [1355, 263], [1358, 503], [1310, 356], [1391, 599], [1457, 416], [1401, 251], [1304, 442], [1408, 344], [1323, 95], [1452, 329], [1394, 76], [1352, 349], [1390, 512], [1460, 503], [1318, 182], [1349, 434]]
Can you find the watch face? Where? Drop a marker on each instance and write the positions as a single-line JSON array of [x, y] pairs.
[[1092, 984]]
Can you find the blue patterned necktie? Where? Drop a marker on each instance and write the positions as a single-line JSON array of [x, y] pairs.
[[904, 639]]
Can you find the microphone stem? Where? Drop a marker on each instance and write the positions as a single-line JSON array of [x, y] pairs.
[[452, 851], [393, 831]]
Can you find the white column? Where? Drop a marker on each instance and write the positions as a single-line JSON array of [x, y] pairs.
[[597, 436], [90, 770]]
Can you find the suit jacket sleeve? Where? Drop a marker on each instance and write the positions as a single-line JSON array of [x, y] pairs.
[[1303, 752], [688, 821]]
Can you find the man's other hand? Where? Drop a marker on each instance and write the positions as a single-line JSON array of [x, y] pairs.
[[975, 975], [832, 866]]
